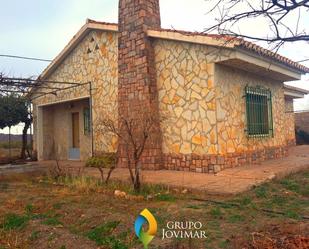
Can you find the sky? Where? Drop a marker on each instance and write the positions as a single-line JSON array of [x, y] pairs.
[[36, 28]]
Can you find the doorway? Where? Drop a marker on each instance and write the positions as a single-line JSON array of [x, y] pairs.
[[75, 130], [74, 152]]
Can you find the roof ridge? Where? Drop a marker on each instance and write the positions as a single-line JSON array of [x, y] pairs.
[[88, 20]]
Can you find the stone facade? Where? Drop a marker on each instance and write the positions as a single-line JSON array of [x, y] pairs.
[[137, 82], [302, 121], [197, 90], [205, 128], [93, 60], [289, 122]]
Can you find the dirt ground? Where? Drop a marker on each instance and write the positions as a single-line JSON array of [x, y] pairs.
[[41, 212], [4, 155]]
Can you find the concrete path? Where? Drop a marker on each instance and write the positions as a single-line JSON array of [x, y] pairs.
[[229, 181]]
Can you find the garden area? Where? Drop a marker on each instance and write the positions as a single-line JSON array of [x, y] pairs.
[[81, 212]]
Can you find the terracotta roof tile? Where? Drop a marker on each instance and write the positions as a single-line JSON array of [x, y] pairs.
[[97, 22], [239, 42]]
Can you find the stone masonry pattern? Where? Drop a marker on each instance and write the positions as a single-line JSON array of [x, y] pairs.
[[205, 129], [200, 101], [137, 83], [93, 60]]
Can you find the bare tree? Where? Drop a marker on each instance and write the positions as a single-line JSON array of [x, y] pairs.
[[133, 133], [284, 19]]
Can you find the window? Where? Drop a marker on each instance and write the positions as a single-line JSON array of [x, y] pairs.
[[259, 112], [87, 123]]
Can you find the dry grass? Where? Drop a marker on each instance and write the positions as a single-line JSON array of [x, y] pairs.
[[80, 211]]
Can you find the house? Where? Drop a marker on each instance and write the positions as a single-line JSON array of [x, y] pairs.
[[224, 98]]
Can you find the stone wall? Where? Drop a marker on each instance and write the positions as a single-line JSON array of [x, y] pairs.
[[95, 60], [186, 98], [200, 102], [289, 122], [302, 121], [231, 119], [203, 109], [137, 82]]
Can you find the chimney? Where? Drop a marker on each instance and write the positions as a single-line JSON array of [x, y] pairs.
[[137, 89]]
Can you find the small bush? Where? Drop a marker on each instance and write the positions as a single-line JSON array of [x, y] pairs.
[[106, 161]]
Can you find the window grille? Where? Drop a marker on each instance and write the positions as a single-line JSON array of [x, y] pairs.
[[87, 123], [259, 112]]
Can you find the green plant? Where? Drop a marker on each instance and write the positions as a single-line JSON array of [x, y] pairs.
[[165, 197], [14, 221], [292, 214], [29, 209], [245, 201], [106, 161], [261, 192], [216, 212], [34, 235], [236, 218], [291, 185], [53, 221], [102, 235]]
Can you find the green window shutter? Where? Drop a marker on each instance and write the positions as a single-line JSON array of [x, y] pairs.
[[259, 112], [87, 123]]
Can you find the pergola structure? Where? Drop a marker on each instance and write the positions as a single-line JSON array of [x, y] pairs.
[[26, 86]]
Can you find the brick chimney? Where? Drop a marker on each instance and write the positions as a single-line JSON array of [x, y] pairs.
[[137, 89]]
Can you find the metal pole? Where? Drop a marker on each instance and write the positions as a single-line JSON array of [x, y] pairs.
[[91, 119], [10, 152], [31, 135]]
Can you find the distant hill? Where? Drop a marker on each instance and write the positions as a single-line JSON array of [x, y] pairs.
[[5, 137]]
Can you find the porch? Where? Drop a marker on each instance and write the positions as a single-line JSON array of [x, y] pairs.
[[63, 130]]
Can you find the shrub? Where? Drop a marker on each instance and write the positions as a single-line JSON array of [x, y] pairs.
[[106, 161]]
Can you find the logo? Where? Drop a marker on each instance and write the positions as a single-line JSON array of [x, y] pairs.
[[145, 217]]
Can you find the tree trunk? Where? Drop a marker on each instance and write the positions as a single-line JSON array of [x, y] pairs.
[[129, 164], [137, 182], [25, 140], [10, 149], [109, 174], [102, 174]]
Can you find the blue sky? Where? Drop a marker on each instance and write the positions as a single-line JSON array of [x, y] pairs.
[[41, 28]]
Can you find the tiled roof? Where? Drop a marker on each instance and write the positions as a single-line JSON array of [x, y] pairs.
[[237, 42], [104, 23], [296, 89]]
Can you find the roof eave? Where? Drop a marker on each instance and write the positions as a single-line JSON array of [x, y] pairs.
[[77, 38]]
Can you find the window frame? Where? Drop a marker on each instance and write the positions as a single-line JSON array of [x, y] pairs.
[[87, 121], [253, 101]]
